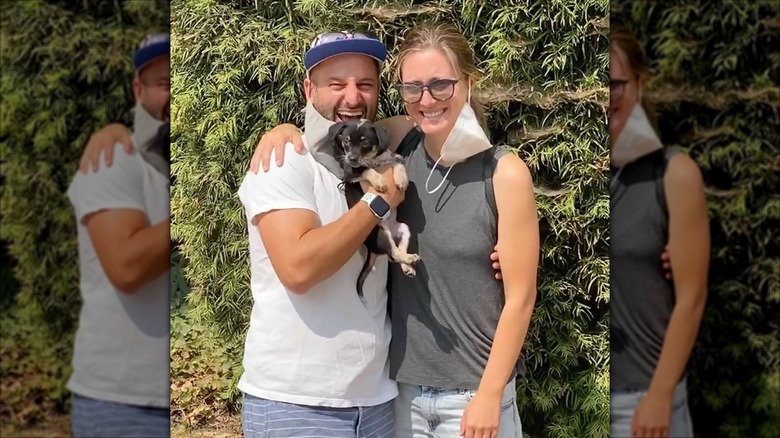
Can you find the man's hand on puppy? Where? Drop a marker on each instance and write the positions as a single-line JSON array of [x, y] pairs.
[[392, 194], [275, 141]]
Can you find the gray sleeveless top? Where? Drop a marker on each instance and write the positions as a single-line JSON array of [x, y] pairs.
[[641, 299], [445, 318]]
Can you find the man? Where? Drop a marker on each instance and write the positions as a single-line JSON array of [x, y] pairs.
[[316, 353], [120, 379]]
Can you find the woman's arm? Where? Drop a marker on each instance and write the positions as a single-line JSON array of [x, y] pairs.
[[518, 248], [689, 252]]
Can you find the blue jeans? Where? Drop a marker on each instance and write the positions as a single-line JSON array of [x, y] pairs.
[[98, 418], [422, 411], [263, 418], [622, 405]]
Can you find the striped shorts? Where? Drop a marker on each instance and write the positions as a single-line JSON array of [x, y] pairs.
[[98, 418], [263, 418]]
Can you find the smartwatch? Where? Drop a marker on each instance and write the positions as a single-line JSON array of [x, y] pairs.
[[377, 204]]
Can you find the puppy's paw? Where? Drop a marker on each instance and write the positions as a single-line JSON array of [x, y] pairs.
[[412, 259], [376, 180], [408, 270], [380, 186], [400, 177]]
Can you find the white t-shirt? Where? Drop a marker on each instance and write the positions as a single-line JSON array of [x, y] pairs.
[[325, 347], [122, 346]]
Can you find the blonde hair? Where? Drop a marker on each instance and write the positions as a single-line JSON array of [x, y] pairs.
[[451, 42]]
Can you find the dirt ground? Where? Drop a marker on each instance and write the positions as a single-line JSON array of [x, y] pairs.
[[225, 427], [59, 427]]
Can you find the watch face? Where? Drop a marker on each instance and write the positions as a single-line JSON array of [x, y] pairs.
[[380, 206]]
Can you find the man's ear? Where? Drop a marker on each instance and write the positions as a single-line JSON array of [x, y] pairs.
[[308, 89], [383, 136], [137, 88]]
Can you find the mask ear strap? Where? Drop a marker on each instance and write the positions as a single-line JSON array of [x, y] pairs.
[[468, 99]]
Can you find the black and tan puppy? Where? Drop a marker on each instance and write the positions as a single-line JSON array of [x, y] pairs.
[[360, 147]]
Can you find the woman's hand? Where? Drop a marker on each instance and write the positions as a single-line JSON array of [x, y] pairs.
[[104, 141], [481, 416], [652, 416], [275, 141]]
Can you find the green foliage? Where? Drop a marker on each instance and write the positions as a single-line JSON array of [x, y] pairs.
[[203, 372], [34, 370], [717, 94], [67, 70], [237, 71]]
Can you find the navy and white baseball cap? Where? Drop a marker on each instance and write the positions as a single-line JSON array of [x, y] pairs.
[[330, 44], [152, 47]]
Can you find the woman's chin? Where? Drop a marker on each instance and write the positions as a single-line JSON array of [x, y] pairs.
[[433, 127]]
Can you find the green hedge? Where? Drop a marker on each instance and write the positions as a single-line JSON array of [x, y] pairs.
[[716, 87], [237, 71], [66, 72]]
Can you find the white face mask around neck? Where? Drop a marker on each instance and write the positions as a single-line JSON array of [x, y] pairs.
[[315, 128], [637, 138], [465, 140], [145, 126]]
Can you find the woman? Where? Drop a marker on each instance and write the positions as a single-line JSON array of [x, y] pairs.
[[457, 333], [657, 200]]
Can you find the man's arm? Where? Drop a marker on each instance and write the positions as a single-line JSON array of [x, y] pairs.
[[304, 254], [131, 252], [274, 141], [281, 204], [397, 127], [518, 248]]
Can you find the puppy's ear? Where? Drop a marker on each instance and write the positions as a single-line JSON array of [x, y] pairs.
[[335, 130], [382, 136]]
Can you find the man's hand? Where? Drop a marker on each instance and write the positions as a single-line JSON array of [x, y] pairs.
[[481, 417], [275, 141], [104, 141], [666, 263], [496, 263]]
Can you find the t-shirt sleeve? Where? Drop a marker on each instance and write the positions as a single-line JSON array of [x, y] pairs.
[[110, 188], [290, 186]]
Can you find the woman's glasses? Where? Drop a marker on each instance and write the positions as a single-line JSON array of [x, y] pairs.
[[440, 89]]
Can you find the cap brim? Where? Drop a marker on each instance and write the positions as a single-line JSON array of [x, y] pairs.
[[150, 53], [359, 46]]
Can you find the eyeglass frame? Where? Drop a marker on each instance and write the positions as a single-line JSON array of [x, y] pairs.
[[423, 87]]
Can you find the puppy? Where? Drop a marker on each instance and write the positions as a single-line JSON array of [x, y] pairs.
[[360, 147]]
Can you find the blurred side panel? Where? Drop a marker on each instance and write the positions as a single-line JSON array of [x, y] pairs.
[[714, 87], [67, 68]]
